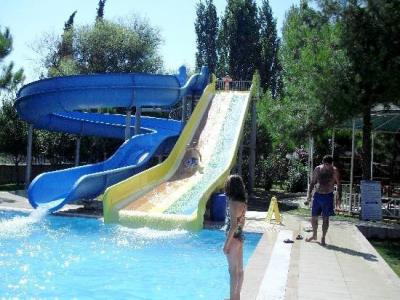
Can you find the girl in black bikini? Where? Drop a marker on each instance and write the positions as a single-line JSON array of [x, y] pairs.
[[233, 247]]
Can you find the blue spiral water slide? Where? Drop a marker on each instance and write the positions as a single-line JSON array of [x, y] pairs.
[[58, 104]]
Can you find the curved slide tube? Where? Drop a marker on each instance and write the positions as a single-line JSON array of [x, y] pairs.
[[53, 103], [167, 196]]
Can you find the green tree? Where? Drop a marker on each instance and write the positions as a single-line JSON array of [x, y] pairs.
[[111, 47], [340, 59], [206, 27], [100, 11], [371, 37], [62, 62], [13, 133], [129, 45], [125, 46], [239, 40], [270, 67], [8, 78], [315, 74]]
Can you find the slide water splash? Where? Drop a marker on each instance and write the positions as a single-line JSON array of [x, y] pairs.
[[22, 225]]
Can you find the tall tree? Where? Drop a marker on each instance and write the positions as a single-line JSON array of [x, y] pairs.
[[117, 47], [100, 11], [239, 39], [371, 37], [129, 45], [206, 27], [270, 67], [13, 133], [13, 130], [62, 62], [8, 78], [315, 73]]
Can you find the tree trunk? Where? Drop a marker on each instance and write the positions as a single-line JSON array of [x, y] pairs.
[[367, 128]]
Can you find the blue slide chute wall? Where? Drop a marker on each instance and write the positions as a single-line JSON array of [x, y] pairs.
[[57, 104]]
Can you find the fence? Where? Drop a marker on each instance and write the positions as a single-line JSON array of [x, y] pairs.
[[390, 203], [241, 85], [10, 174]]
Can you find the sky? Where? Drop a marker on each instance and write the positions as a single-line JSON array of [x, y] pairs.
[[29, 20]]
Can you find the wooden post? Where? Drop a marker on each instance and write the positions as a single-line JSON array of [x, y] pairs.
[[29, 157]]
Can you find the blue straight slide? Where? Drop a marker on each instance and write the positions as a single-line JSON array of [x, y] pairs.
[[56, 104]]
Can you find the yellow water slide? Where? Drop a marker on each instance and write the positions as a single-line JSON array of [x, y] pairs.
[[171, 195]]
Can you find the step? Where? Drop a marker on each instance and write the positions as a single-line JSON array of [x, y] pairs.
[[267, 270]]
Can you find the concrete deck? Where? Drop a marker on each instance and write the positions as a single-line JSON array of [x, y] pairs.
[[347, 268]]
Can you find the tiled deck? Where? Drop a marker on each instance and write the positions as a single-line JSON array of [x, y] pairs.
[[348, 268]]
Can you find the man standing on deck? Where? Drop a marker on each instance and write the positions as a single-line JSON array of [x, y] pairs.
[[324, 178]]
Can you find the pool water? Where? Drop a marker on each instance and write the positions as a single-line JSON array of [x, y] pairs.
[[63, 258]]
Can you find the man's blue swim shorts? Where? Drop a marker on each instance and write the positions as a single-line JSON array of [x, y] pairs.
[[322, 203]]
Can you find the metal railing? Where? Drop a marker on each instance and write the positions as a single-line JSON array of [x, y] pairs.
[[390, 204], [240, 85], [350, 204]]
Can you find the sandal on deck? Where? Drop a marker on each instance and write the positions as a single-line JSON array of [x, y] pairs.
[[288, 241]]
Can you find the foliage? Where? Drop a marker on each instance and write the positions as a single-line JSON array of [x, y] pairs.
[[13, 130], [13, 133], [56, 147], [129, 45], [297, 173], [206, 27], [100, 11], [239, 40], [270, 67], [8, 78], [62, 62], [371, 37]]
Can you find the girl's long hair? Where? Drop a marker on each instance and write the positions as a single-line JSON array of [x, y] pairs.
[[235, 189]]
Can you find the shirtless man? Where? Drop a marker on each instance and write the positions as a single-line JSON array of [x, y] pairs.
[[325, 176]]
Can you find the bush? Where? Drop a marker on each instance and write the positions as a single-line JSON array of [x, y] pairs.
[[297, 176]]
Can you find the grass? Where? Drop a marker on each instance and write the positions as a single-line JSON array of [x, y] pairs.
[[11, 187], [390, 251]]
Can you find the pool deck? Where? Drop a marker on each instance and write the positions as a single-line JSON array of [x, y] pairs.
[[347, 268]]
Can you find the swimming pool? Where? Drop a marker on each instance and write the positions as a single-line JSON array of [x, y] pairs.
[[64, 258]]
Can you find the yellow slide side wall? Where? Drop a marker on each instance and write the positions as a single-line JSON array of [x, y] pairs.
[[136, 185], [195, 221]]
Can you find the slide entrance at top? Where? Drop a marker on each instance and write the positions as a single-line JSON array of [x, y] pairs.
[[57, 104], [170, 195]]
